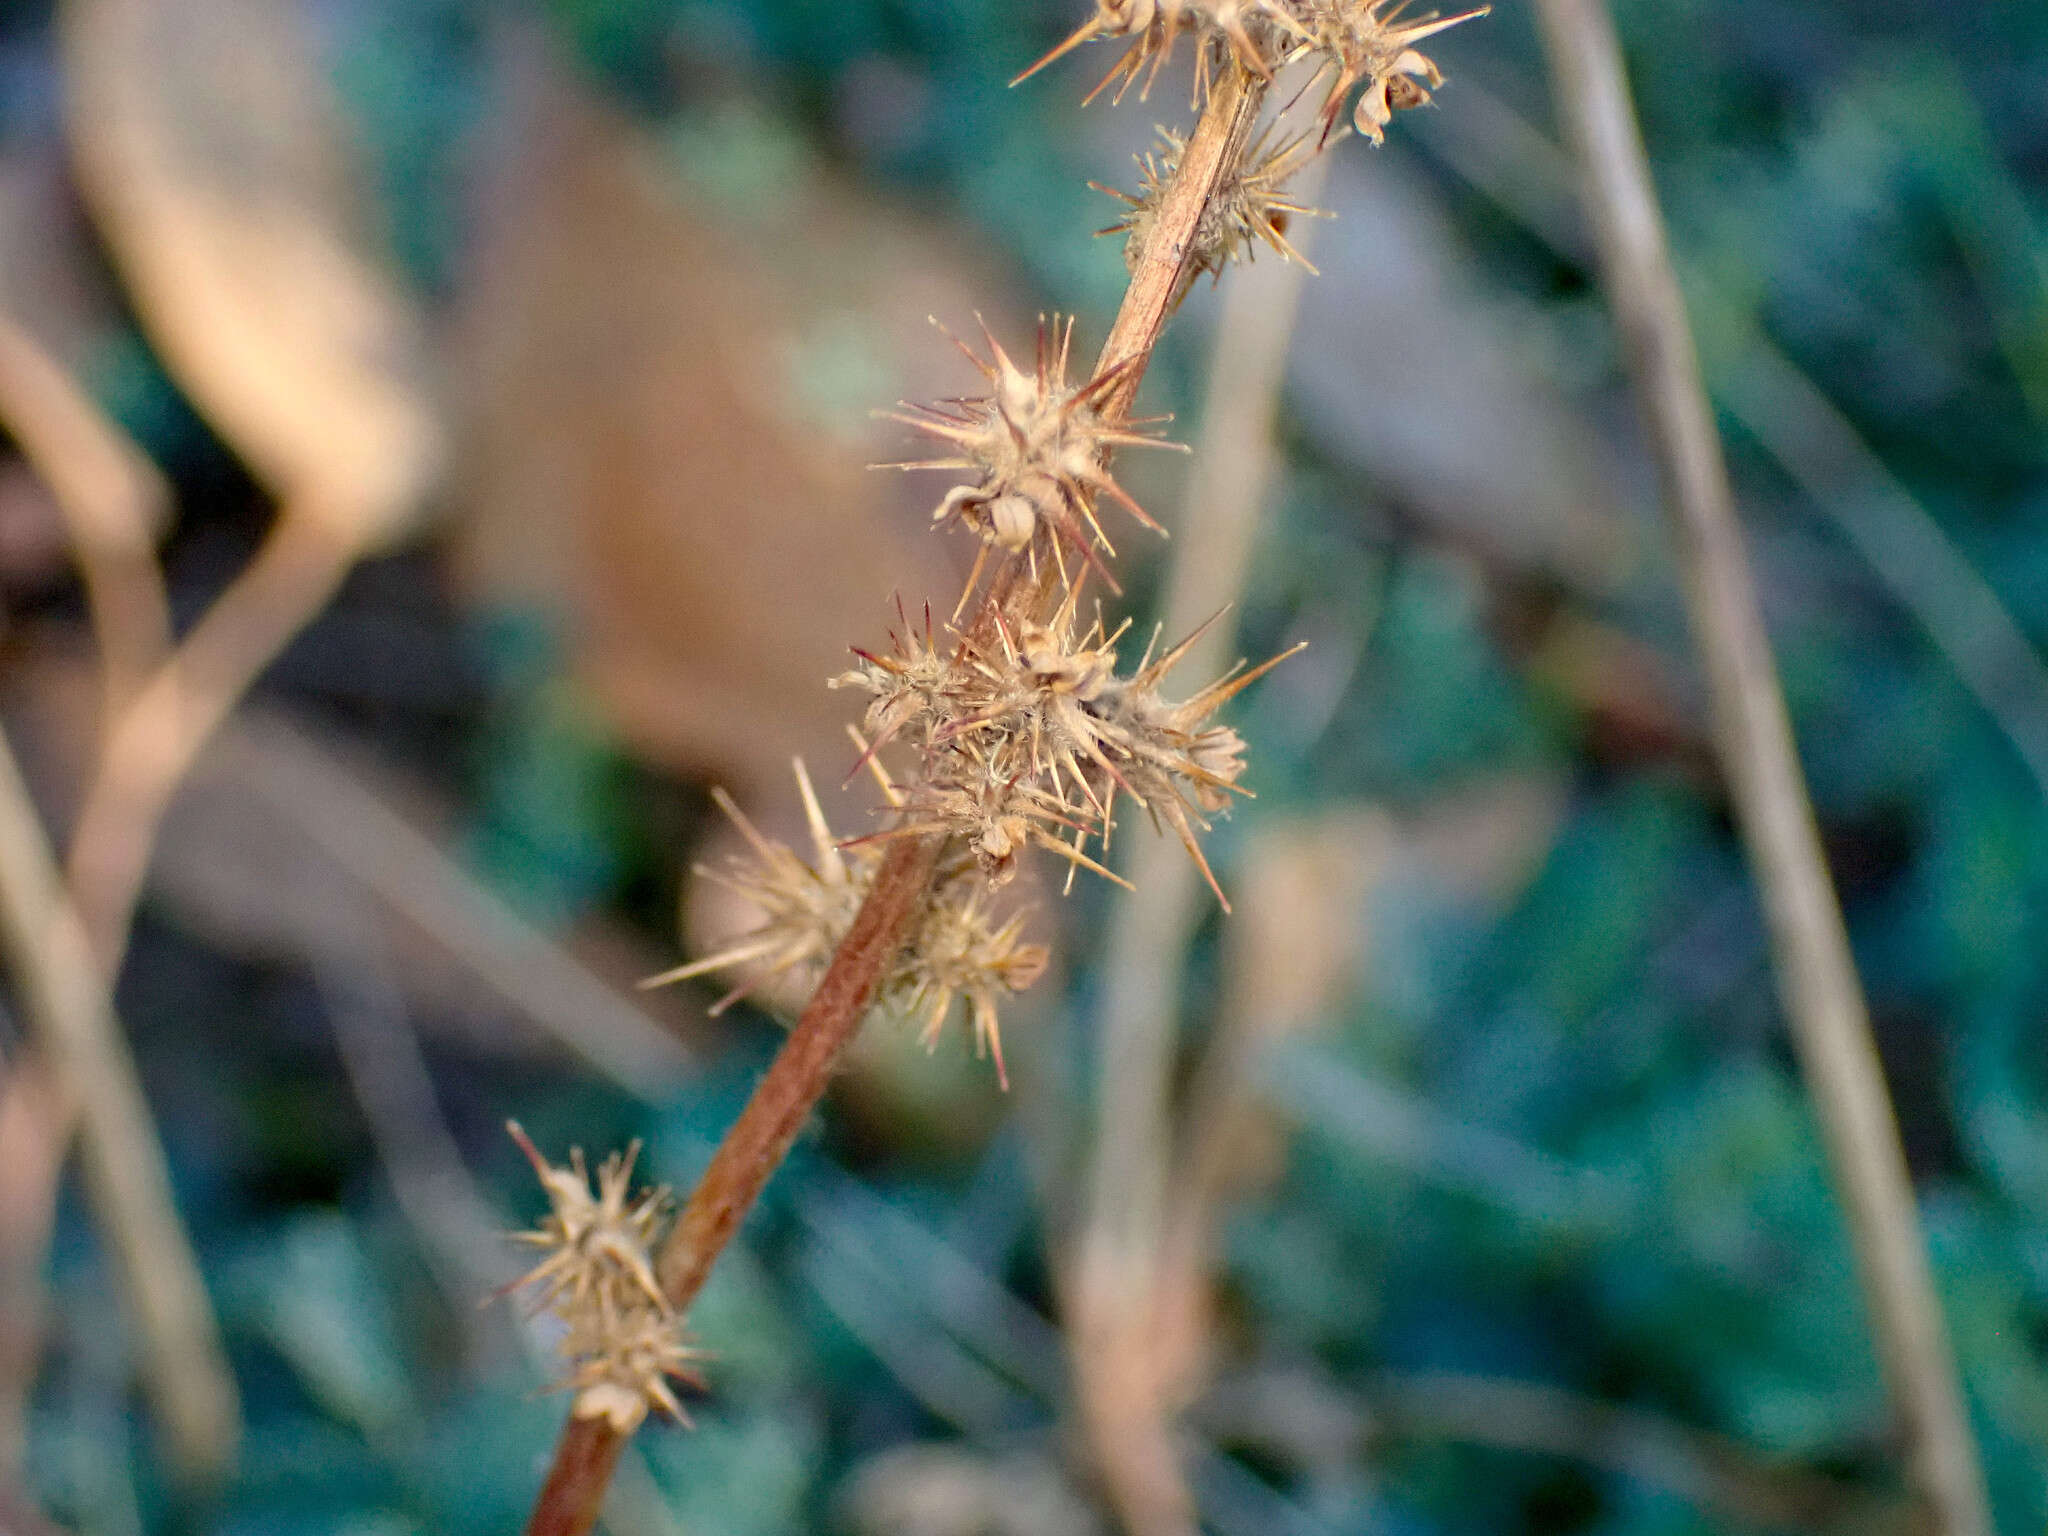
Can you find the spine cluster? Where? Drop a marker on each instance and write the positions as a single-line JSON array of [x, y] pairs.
[[1365, 47], [621, 1339]]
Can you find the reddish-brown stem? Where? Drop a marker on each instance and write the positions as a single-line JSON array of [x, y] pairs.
[[751, 1152], [574, 1492], [758, 1141], [760, 1138], [1164, 268]]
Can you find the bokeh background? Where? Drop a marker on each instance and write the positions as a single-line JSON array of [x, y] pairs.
[[1515, 1219]]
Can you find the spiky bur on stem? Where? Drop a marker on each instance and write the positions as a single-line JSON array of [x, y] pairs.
[[1019, 728], [1362, 46], [959, 950], [622, 1339], [1251, 208], [1037, 450]]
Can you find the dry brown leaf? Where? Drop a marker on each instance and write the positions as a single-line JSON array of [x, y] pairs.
[[207, 143], [646, 455]]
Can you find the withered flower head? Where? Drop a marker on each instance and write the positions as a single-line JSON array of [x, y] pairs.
[[622, 1340], [1036, 448], [1035, 734], [1366, 42], [985, 793], [961, 952], [909, 680], [806, 909], [1251, 206], [957, 950], [1254, 32]]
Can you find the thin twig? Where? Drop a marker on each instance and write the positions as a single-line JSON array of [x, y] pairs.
[[127, 1179], [1822, 995], [1165, 266], [152, 746], [112, 499], [758, 1141], [573, 1494], [751, 1152]]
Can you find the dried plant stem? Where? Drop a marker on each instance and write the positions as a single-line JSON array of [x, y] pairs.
[[111, 498], [1817, 978], [588, 1451], [573, 1496], [751, 1152], [153, 744], [1167, 264], [127, 1181], [758, 1141]]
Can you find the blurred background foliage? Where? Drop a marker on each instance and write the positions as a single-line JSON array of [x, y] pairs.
[[1544, 1132]]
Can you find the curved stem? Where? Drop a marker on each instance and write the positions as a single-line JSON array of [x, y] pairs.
[[127, 1179], [1822, 995], [156, 739]]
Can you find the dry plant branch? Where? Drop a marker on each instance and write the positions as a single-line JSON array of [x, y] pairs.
[[127, 1180], [749, 1154], [1822, 995], [573, 1494], [1025, 730], [203, 139], [151, 746], [1117, 1285], [112, 499]]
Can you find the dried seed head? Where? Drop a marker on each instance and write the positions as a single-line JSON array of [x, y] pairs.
[[806, 909], [909, 681], [622, 1340], [1254, 32], [1032, 734], [1036, 448], [958, 949], [961, 952], [1365, 42], [986, 793], [1250, 207]]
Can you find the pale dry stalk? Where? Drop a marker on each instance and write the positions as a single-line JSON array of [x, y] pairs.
[[151, 745], [1118, 1296], [127, 1180], [111, 498], [1817, 979]]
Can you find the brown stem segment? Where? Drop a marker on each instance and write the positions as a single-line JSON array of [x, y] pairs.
[[760, 1138], [758, 1141], [751, 1152], [574, 1492], [1817, 981], [1167, 263]]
